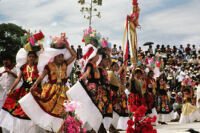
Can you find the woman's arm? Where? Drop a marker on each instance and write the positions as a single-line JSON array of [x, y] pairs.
[[123, 67], [86, 74], [73, 57], [41, 46], [16, 82], [40, 78]]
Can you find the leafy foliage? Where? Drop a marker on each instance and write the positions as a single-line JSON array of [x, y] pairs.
[[10, 39], [90, 9]]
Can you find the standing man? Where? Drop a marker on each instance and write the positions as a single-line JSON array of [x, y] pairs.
[[79, 52], [114, 52], [8, 74]]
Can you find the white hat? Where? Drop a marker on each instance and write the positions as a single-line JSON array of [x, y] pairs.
[[88, 53], [48, 56], [21, 58]]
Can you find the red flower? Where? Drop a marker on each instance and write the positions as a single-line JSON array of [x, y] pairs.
[[138, 129], [130, 123], [133, 108], [154, 131], [148, 120], [154, 118], [142, 109], [130, 130]]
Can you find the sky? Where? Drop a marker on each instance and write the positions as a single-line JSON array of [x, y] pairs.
[[172, 22]]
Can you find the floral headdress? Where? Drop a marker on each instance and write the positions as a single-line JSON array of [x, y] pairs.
[[30, 40], [88, 35], [104, 43], [59, 42]]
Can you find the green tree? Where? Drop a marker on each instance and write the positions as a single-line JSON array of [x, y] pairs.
[[90, 9], [10, 38]]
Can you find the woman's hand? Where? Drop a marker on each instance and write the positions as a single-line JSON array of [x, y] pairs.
[[80, 79], [9, 91], [33, 87], [41, 46]]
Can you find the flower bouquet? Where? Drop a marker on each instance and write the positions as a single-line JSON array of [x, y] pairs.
[[140, 123], [71, 123], [31, 41]]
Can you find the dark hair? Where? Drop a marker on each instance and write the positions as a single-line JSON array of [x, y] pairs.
[[113, 63], [101, 51], [94, 41], [138, 71], [6, 56], [32, 52], [104, 56], [151, 71]]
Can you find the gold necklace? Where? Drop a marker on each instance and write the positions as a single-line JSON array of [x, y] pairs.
[[59, 73], [29, 71]]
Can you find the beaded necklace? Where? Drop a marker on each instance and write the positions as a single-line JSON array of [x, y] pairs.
[[29, 71]]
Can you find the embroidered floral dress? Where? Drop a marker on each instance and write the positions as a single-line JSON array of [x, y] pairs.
[[163, 106], [97, 90], [52, 94], [104, 93], [150, 96], [119, 99], [29, 76], [135, 98]]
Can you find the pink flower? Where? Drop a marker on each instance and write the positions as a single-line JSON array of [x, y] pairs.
[[71, 106], [104, 44], [81, 122], [83, 130]]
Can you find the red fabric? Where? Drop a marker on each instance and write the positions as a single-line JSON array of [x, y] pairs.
[[127, 43], [38, 36], [135, 2], [89, 52], [11, 104]]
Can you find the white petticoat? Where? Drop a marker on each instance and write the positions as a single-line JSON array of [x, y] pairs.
[[122, 123], [38, 115], [189, 118], [88, 112], [17, 125], [154, 113], [166, 117]]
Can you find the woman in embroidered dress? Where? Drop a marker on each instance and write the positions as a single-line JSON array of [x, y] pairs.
[[190, 112], [135, 97], [150, 96], [104, 92], [88, 90], [47, 101], [163, 105], [119, 99], [13, 118], [94, 87]]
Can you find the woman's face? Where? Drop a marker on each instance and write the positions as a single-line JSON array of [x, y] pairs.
[[138, 75], [31, 58], [59, 59], [95, 58], [151, 74], [116, 67], [105, 62]]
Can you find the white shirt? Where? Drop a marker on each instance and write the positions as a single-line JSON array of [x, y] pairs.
[[198, 96], [181, 76], [6, 81]]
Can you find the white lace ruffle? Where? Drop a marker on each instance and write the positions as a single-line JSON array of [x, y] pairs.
[[38, 115], [190, 118], [17, 125]]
